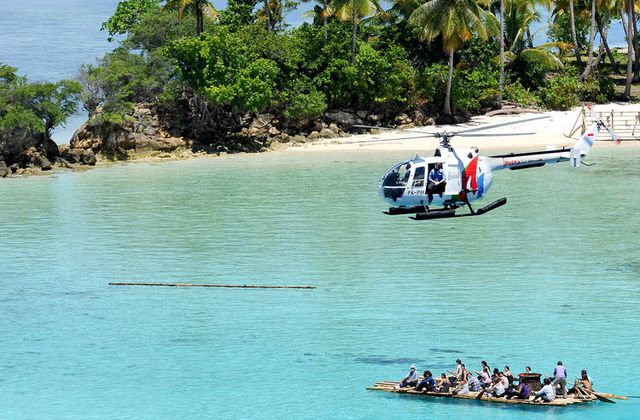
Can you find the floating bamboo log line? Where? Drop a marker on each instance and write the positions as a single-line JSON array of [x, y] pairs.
[[231, 286], [583, 397]]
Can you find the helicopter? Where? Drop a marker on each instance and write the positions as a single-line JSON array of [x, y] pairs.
[[462, 176]]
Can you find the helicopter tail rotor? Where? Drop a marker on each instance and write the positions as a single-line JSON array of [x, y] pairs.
[[584, 145]]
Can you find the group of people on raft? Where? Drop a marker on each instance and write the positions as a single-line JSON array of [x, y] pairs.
[[497, 384]]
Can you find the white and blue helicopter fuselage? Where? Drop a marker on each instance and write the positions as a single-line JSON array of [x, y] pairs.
[[467, 176]]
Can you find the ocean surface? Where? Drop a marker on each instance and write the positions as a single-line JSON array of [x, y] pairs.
[[554, 275], [49, 40]]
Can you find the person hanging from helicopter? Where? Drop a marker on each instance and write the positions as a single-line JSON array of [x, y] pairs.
[[435, 182]]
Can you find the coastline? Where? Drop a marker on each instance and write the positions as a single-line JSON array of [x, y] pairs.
[[551, 132]]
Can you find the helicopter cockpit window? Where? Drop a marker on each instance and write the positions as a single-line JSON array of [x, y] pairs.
[[418, 177], [395, 181]]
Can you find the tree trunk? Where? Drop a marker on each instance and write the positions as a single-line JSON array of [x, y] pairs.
[[529, 37], [627, 88], [324, 24], [572, 17], [199, 20], [636, 51], [592, 39], [267, 15], [501, 82], [447, 97], [355, 31], [603, 36], [624, 22]]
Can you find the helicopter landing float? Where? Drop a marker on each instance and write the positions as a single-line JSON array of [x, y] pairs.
[[434, 187]]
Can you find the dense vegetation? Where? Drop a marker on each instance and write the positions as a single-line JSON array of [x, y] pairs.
[[440, 56], [28, 114], [208, 72]]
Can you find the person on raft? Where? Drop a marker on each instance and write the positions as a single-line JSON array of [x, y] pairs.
[[428, 383], [496, 389], [473, 382], [560, 378], [462, 387], [509, 375], [444, 384], [411, 379], [521, 392], [485, 378], [546, 393], [584, 382]]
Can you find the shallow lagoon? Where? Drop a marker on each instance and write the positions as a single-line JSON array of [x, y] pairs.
[[552, 275]]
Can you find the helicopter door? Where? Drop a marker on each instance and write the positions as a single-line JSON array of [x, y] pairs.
[[454, 181], [417, 185]]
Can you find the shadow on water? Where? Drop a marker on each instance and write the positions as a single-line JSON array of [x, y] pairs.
[[381, 360], [513, 408]]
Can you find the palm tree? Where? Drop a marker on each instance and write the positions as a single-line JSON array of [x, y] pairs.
[[501, 39], [592, 38], [354, 10], [456, 21], [627, 87], [574, 34], [519, 16], [563, 6], [271, 13], [321, 13], [200, 8]]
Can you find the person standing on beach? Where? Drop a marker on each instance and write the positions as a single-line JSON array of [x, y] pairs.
[[560, 378]]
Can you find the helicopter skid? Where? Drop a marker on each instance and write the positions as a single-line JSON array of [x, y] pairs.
[[447, 213], [404, 210]]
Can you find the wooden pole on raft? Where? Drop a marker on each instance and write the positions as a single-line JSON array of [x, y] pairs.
[[235, 286]]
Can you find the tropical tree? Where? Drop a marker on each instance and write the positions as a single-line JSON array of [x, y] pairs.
[[630, 16], [200, 8], [564, 6], [271, 14], [592, 37], [321, 13], [455, 21], [354, 10]]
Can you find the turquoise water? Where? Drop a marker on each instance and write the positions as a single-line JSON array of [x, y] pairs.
[[554, 275]]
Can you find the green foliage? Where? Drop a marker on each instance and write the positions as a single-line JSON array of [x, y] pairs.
[[476, 88], [515, 92], [238, 13], [306, 106], [155, 30], [598, 90], [561, 92], [128, 14], [560, 29], [479, 52], [29, 111], [432, 84], [122, 78]]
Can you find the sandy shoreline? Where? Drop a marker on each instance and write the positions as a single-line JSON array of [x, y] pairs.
[[551, 132]]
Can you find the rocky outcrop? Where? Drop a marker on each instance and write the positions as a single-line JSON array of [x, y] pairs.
[[140, 133], [4, 169]]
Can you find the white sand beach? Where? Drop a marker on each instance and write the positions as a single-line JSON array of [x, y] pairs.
[[550, 132]]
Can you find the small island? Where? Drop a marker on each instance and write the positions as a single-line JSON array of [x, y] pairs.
[[184, 78]]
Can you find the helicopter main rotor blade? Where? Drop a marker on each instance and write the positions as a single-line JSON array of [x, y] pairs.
[[494, 135], [488, 127], [385, 140], [406, 130]]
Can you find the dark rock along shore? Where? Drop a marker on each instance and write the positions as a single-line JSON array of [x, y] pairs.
[[146, 133]]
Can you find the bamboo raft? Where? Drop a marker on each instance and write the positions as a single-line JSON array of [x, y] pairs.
[[581, 397]]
